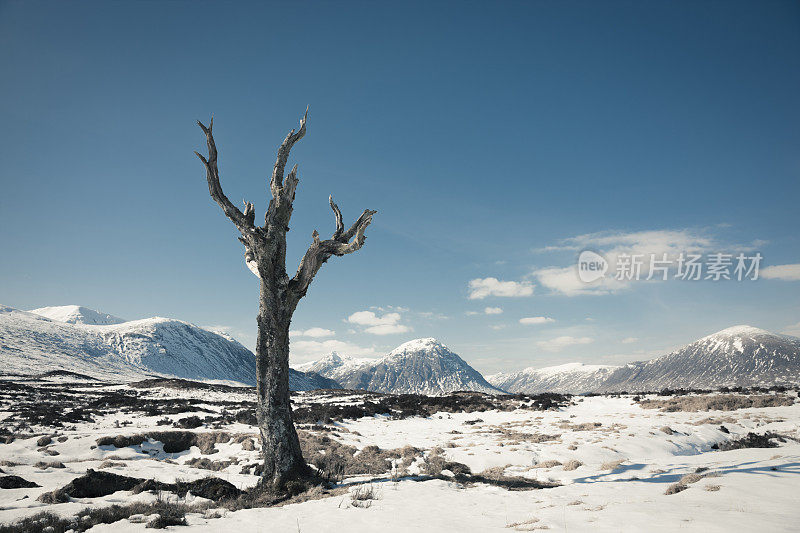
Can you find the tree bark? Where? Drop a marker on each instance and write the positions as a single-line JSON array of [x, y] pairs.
[[265, 256], [280, 445]]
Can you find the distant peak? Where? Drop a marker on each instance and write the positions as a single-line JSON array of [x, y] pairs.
[[740, 330], [77, 314], [568, 367], [418, 344], [333, 357]]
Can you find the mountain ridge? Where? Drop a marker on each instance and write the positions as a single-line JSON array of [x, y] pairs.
[[31, 343], [419, 366]]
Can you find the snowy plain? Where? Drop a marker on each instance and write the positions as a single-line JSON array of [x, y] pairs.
[[629, 456]]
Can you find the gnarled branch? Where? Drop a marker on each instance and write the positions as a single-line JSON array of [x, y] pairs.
[[320, 251], [276, 182], [215, 189], [338, 214]]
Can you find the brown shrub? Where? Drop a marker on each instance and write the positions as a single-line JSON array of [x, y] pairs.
[[688, 479], [611, 465], [572, 464], [675, 488], [717, 402], [547, 464]]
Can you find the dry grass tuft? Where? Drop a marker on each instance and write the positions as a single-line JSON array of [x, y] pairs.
[[572, 464], [675, 488], [547, 464], [525, 525], [688, 479], [612, 465], [717, 402]]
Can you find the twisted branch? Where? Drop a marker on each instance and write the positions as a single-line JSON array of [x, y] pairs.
[[338, 214], [276, 182], [320, 251], [241, 220]]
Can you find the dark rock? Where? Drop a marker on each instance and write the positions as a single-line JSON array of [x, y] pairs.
[[16, 482], [93, 484], [211, 487]]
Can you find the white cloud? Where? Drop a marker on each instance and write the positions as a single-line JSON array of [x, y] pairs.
[[629, 340], [535, 320], [368, 318], [306, 350], [493, 310], [387, 329], [793, 330], [431, 315], [498, 326], [783, 272], [559, 343], [313, 332], [387, 324], [480, 288], [612, 245], [566, 281]]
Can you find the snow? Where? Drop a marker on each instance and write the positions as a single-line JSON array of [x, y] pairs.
[[742, 330], [759, 489], [416, 345], [570, 377], [32, 344], [419, 366], [74, 314]]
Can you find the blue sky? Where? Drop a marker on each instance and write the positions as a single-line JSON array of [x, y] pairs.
[[496, 140]]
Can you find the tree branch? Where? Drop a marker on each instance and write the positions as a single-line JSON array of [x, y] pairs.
[[366, 216], [276, 182], [338, 214], [215, 189], [320, 251]]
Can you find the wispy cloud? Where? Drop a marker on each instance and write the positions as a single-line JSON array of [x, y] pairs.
[[481, 288], [313, 332], [793, 330], [559, 343], [492, 310], [782, 272], [387, 324], [302, 351], [535, 320], [629, 340], [613, 244]]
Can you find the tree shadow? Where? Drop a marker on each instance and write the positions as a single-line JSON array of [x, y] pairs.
[[673, 475]]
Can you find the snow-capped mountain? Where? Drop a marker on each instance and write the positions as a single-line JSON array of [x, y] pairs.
[[335, 366], [737, 356], [574, 378], [421, 366], [76, 314], [32, 344]]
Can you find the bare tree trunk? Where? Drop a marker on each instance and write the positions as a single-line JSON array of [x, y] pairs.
[[265, 256], [283, 459]]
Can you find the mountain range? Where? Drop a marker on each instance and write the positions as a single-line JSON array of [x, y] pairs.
[[567, 378], [737, 356], [102, 346], [81, 340]]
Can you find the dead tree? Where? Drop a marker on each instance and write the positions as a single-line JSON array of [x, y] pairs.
[[265, 255]]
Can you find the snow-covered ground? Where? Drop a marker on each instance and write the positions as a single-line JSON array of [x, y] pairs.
[[628, 457]]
